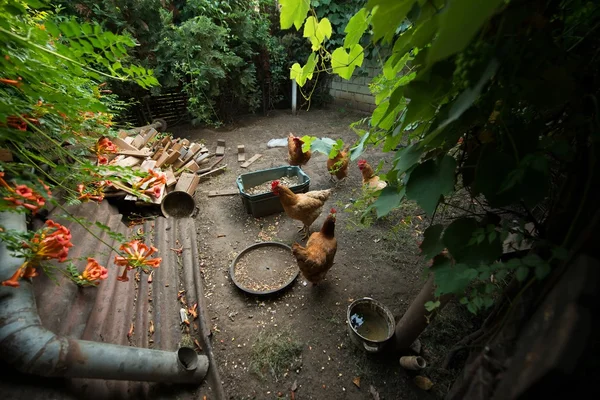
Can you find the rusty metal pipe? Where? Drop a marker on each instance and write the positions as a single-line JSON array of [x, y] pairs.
[[30, 348], [158, 124]]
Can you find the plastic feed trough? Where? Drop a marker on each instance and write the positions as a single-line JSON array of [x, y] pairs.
[[260, 205]]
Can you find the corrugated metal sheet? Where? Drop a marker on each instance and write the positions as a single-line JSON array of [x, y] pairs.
[[106, 313]]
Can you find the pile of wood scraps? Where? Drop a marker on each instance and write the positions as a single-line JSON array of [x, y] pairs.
[[171, 163]]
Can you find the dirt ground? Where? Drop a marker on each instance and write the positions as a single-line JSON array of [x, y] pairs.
[[266, 344]]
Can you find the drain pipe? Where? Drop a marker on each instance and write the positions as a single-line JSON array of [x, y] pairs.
[[30, 348], [294, 96]]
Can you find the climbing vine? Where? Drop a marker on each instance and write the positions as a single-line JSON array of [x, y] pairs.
[[496, 99]]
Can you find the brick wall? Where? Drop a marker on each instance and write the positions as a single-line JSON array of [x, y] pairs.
[[355, 94]]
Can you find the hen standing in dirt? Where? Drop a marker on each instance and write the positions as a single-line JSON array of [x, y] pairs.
[[338, 165], [296, 155], [369, 177], [316, 258], [304, 207]]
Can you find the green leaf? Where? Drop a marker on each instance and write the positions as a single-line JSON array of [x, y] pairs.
[[452, 278], [343, 63], [542, 270], [389, 199], [293, 12], [316, 32], [387, 16], [465, 100], [522, 273], [302, 74], [457, 237], [323, 145], [459, 22], [406, 158], [432, 243], [52, 28], [429, 181], [532, 260], [356, 27], [432, 305], [463, 300], [492, 236]]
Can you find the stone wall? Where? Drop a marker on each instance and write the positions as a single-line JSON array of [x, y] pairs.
[[355, 94]]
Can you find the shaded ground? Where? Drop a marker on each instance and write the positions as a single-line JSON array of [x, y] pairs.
[[305, 327]]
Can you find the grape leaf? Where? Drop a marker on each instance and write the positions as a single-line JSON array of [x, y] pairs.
[[406, 158], [293, 12], [432, 244], [389, 199], [316, 32], [429, 181], [459, 22], [343, 63], [356, 27], [387, 16]]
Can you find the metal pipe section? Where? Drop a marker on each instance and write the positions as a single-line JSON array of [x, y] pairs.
[[30, 348], [294, 96]]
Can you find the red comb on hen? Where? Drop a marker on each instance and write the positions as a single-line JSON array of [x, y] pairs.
[[332, 211]]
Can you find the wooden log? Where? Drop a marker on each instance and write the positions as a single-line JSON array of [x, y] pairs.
[[251, 160]]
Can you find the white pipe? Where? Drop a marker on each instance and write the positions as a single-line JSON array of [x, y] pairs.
[[294, 89]]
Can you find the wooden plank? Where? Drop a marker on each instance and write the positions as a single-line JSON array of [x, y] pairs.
[[138, 141], [220, 147], [129, 140], [251, 160], [149, 136], [123, 145], [128, 162], [177, 146], [171, 179], [241, 153], [148, 164], [213, 165], [187, 183], [192, 152], [178, 163], [163, 158], [203, 158], [158, 154], [138, 153], [213, 172], [168, 159], [190, 166], [227, 192]]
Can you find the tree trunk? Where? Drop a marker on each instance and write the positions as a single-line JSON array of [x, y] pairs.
[[416, 318]]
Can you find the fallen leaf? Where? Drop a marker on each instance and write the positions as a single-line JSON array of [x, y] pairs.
[[324, 387], [193, 311], [197, 343], [178, 251], [356, 381], [295, 385], [130, 333], [423, 382], [151, 328], [150, 277], [374, 392]]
